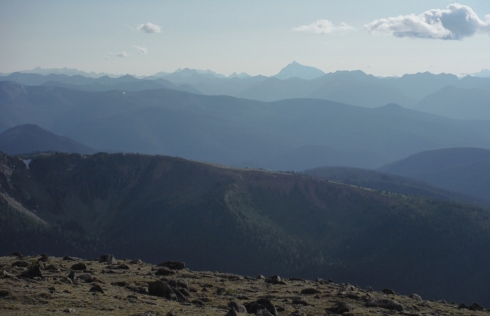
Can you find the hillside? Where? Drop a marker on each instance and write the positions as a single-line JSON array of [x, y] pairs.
[[250, 221], [30, 138], [457, 103], [388, 182], [132, 287], [293, 134], [463, 170]]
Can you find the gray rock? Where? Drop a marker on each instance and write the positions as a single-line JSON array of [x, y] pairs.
[[388, 291], [415, 297], [21, 264], [310, 291], [237, 307], [165, 271], [385, 303]]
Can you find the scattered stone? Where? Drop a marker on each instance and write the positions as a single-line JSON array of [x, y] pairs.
[[462, 306], [96, 288], [16, 254], [275, 279], [136, 261], [310, 291], [79, 266], [174, 265], [297, 313], [385, 303], [68, 258], [341, 307], [107, 259], [260, 277]]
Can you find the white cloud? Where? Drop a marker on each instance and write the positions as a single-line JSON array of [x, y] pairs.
[[141, 50], [323, 27], [149, 28], [453, 23]]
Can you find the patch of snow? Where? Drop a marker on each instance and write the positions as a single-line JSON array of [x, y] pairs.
[[27, 162]]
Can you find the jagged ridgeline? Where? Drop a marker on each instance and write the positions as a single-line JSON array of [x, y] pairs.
[[243, 221]]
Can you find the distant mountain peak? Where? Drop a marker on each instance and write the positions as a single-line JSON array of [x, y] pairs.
[[296, 70]]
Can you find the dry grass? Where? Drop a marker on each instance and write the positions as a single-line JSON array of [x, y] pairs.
[[54, 294]]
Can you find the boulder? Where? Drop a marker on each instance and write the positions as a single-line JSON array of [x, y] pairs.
[[32, 272], [237, 307], [16, 254], [79, 266], [96, 288], [107, 259], [341, 307], [22, 264], [165, 271], [388, 291], [174, 265], [310, 291]]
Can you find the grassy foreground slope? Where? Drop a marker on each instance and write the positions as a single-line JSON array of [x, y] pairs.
[[250, 222]]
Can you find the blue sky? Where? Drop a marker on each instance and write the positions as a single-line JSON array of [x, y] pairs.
[[258, 37]]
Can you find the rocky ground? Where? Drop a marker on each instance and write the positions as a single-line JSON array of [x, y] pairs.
[[45, 285]]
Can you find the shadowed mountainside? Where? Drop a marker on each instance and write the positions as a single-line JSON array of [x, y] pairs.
[[30, 138], [392, 183], [464, 170], [244, 221]]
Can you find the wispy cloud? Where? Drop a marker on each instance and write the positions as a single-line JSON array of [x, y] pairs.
[[324, 27], [141, 50], [120, 55], [149, 28], [453, 23]]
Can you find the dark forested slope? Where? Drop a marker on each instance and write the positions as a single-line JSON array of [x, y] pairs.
[[250, 222]]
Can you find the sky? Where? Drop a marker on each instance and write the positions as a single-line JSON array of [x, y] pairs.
[[380, 37]]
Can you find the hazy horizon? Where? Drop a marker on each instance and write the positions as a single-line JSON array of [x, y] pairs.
[[382, 38]]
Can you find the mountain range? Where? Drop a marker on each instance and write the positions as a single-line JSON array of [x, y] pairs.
[[422, 91], [294, 134]]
